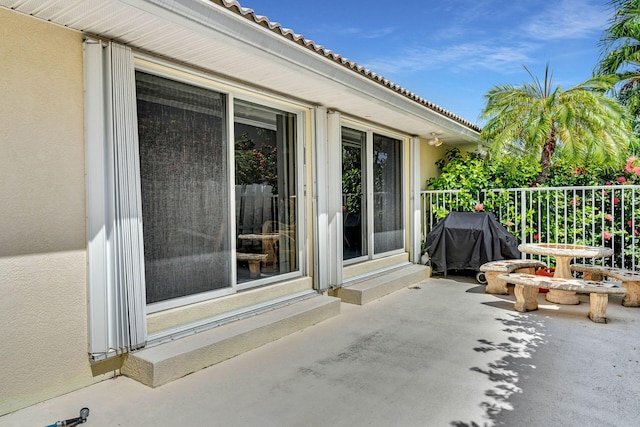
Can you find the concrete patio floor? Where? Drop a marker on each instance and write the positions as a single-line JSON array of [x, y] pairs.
[[442, 353]]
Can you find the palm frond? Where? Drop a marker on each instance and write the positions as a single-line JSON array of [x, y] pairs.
[[582, 124]]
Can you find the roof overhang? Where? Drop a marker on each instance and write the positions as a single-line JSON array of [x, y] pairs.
[[215, 36]]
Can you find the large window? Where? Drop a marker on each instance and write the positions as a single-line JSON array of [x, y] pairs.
[[265, 178], [184, 179]]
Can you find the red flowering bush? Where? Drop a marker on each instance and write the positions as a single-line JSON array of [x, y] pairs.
[[632, 166]]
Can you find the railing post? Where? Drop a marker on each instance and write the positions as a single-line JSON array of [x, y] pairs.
[[523, 218]]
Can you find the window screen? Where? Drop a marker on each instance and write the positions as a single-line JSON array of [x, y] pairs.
[[185, 187]]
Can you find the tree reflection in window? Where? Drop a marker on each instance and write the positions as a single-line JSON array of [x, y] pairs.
[[265, 177]]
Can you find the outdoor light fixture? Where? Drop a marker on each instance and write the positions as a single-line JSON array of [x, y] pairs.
[[435, 141]]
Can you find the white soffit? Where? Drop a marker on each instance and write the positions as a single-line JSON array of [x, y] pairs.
[[217, 39]]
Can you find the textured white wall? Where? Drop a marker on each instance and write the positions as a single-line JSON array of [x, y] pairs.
[[428, 156], [43, 310]]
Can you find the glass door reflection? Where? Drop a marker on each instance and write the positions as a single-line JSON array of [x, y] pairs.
[[353, 196]]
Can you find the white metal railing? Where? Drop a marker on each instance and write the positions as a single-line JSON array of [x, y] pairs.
[[597, 216]]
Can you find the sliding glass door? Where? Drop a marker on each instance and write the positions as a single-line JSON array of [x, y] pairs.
[[371, 194], [186, 188], [387, 194], [265, 191]]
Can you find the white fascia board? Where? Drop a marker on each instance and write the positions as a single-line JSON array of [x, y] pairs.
[[213, 21]]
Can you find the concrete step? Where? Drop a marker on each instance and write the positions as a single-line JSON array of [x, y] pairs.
[[366, 290], [169, 361]]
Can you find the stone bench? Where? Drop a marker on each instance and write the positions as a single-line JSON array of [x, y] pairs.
[[493, 269], [630, 280], [527, 285], [254, 261]]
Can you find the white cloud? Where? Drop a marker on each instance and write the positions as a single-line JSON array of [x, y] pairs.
[[346, 31], [359, 32], [567, 19], [460, 57], [528, 34], [381, 32]]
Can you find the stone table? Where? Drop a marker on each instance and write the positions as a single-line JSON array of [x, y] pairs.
[[564, 253]]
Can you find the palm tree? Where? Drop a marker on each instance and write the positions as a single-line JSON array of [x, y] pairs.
[[539, 120], [621, 41], [621, 54]]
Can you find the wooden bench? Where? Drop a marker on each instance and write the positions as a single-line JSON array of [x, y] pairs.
[[493, 269], [527, 285], [254, 261], [630, 280]]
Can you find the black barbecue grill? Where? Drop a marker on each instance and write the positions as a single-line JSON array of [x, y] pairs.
[[466, 240]]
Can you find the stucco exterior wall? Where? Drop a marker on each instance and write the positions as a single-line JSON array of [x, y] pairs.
[[428, 157], [43, 310]]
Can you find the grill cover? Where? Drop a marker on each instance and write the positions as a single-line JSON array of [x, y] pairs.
[[466, 240]]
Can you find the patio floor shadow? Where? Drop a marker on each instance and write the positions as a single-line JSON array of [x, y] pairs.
[[438, 353]]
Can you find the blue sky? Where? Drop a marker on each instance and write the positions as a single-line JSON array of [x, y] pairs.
[[452, 52]]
